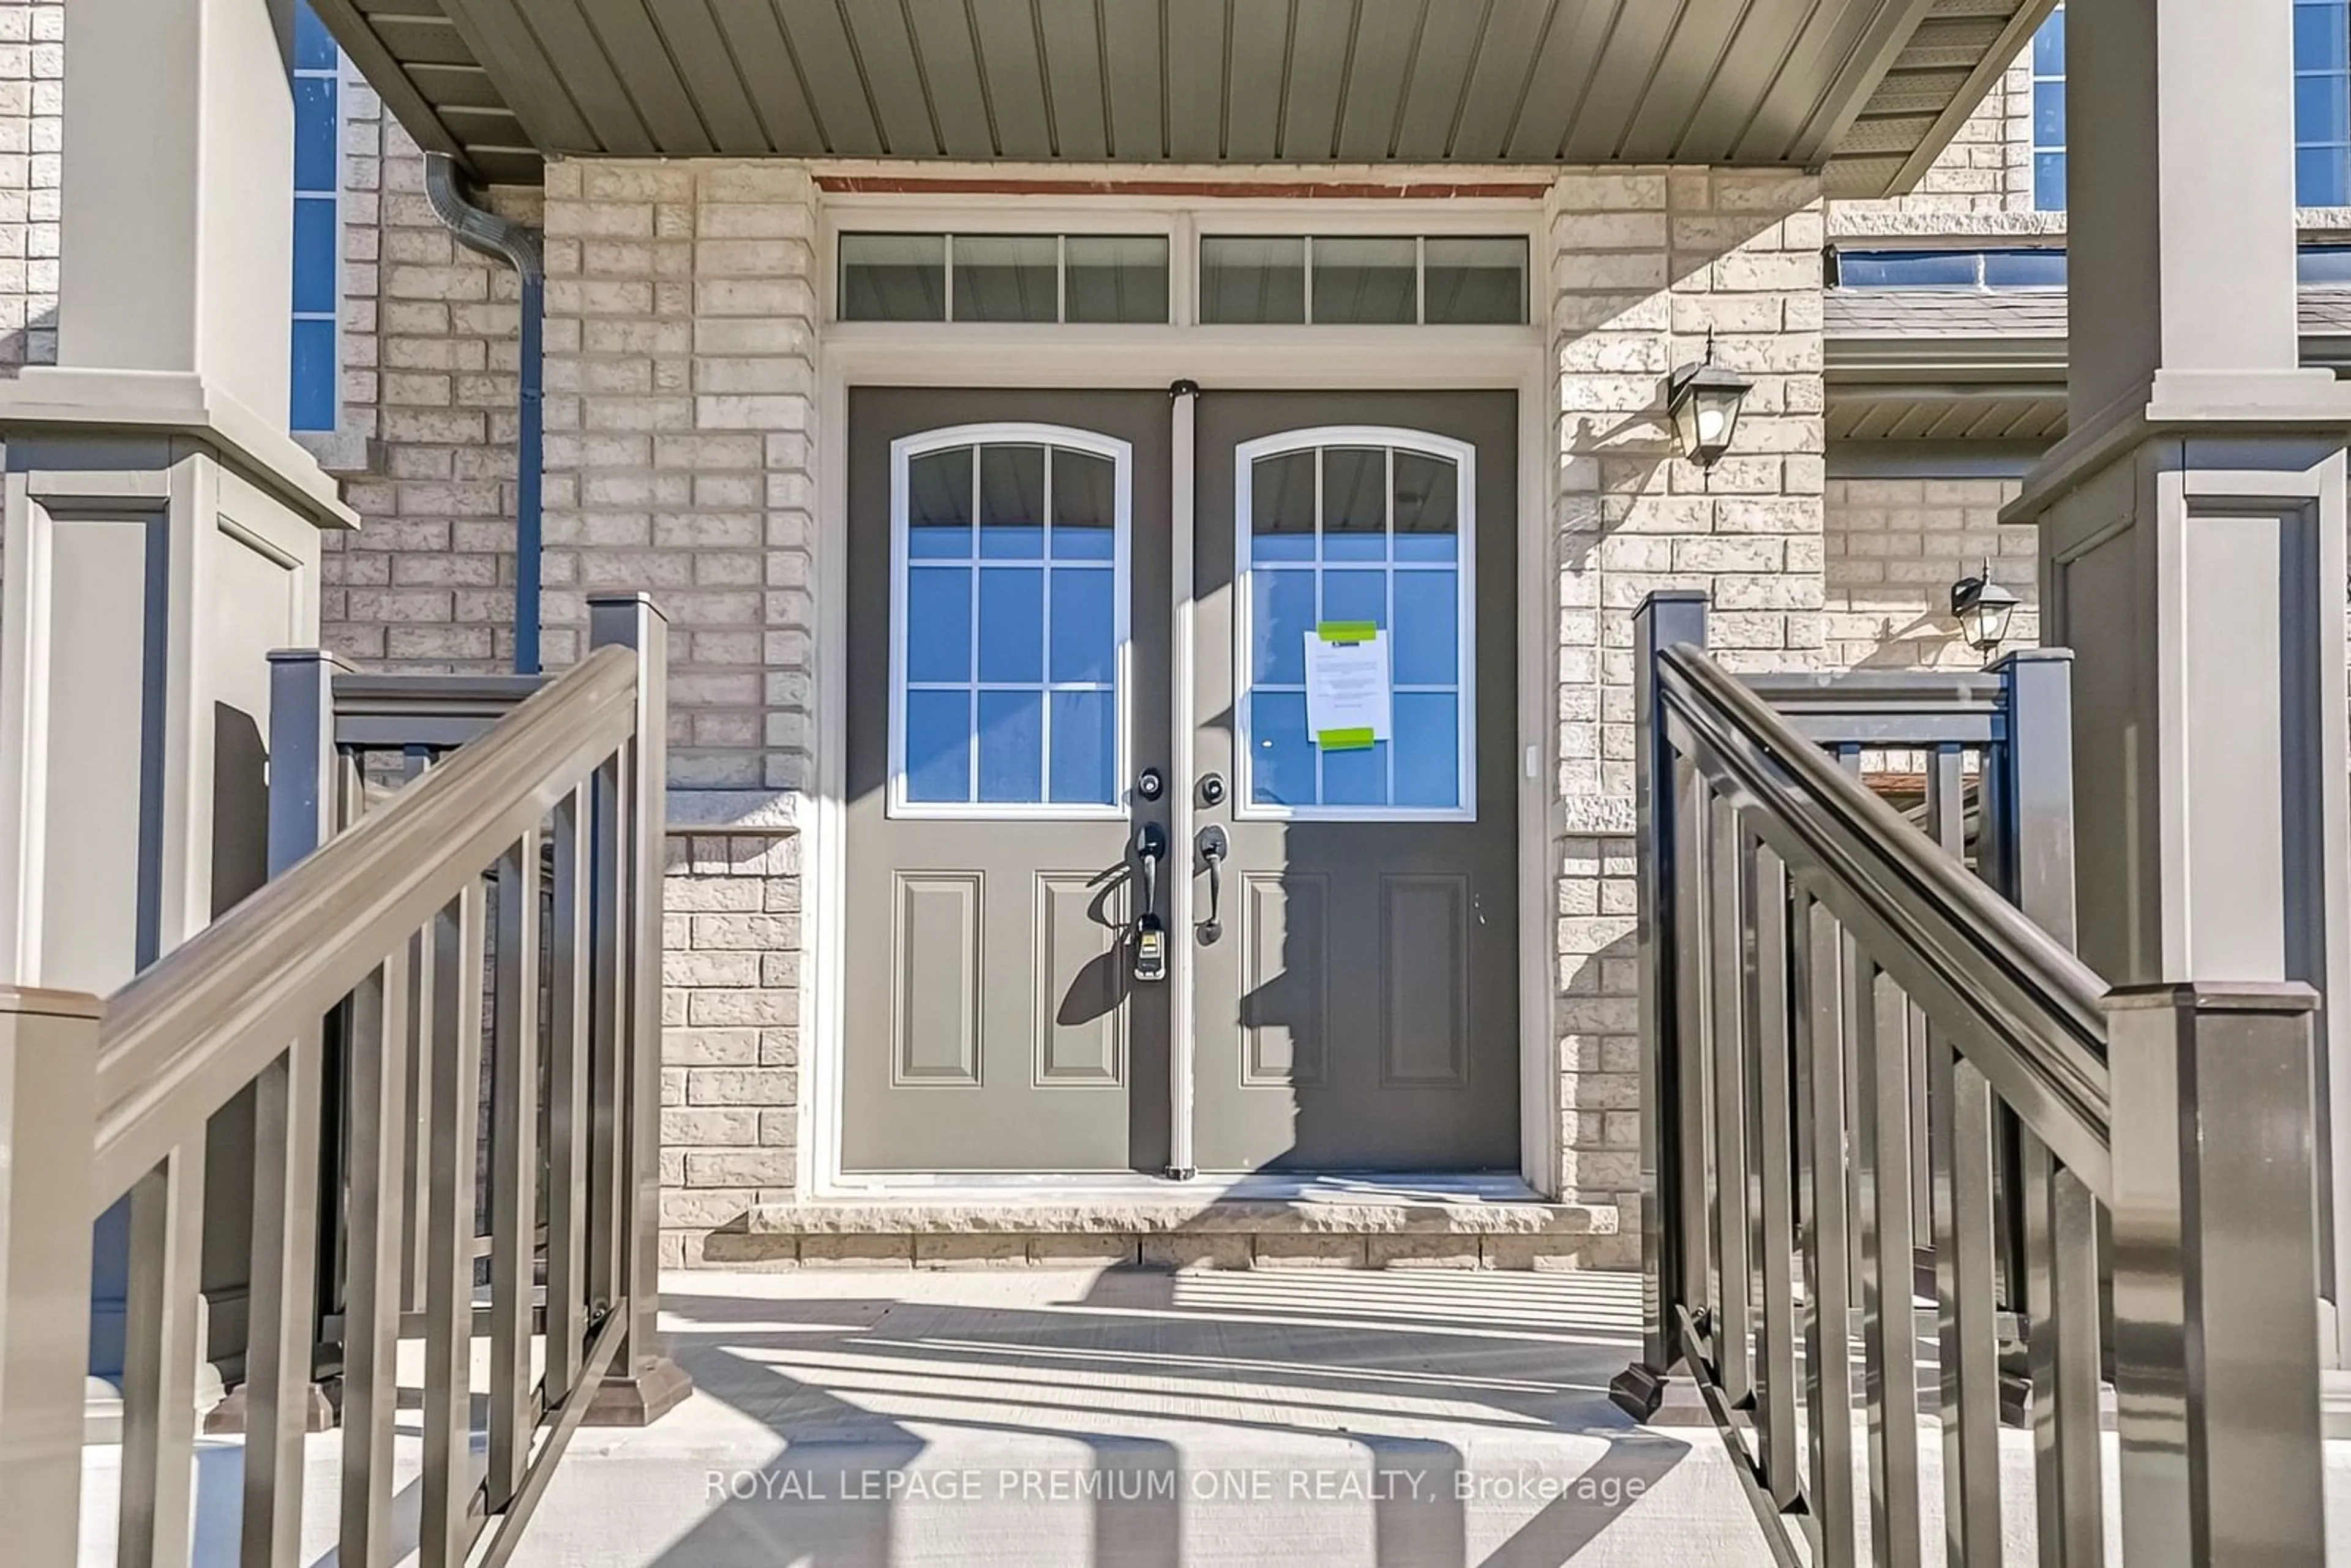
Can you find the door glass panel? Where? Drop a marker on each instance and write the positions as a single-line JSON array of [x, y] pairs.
[[1281, 510], [1012, 744], [1012, 614], [938, 506], [1012, 502], [1085, 510], [1358, 533], [938, 745]]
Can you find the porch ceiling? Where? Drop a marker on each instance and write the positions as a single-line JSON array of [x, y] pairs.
[[1867, 89]]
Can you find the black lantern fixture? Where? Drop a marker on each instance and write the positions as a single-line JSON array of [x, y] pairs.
[[1982, 608], [1703, 400]]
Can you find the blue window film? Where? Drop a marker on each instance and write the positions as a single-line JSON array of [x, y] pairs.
[[314, 133], [1085, 626], [2024, 270], [2323, 264], [1355, 596], [314, 47], [1011, 746], [1428, 507], [1427, 755], [1909, 269], [2049, 113], [1356, 778], [938, 745], [1011, 623], [1281, 758], [313, 385], [2049, 46], [1281, 610], [314, 255], [2319, 177], [2320, 110], [2320, 43], [938, 624], [2049, 182], [1426, 649], [1085, 748]]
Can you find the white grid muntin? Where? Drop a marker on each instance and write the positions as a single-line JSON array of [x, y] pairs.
[[903, 452], [1392, 439]]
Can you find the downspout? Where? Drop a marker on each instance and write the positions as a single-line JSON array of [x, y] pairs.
[[517, 244]]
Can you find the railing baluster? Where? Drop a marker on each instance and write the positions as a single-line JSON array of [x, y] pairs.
[[1968, 1334], [2061, 1247], [1727, 922], [448, 1480], [415, 1066], [277, 1310], [566, 1088], [608, 1014], [1693, 1036], [1820, 1017], [513, 1144], [379, 1110], [161, 1348], [1888, 1321], [1769, 1115]]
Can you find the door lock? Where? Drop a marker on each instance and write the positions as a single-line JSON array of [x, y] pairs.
[[1151, 784], [1214, 847], [1212, 790], [1150, 930]]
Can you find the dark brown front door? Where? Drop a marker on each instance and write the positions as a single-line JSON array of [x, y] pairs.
[[1359, 1007]]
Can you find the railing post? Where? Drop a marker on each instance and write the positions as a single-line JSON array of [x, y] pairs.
[[48, 1112], [1664, 621], [2216, 1269], [645, 1383]]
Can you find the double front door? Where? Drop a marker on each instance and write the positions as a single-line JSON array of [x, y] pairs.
[[1020, 747]]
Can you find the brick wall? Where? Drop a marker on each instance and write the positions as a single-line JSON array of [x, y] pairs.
[[730, 1052], [32, 101], [1644, 263], [1894, 548]]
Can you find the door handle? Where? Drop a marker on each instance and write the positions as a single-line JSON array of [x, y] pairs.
[[1150, 930], [1214, 847]]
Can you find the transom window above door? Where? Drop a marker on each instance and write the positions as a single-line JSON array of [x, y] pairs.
[[1008, 609], [1342, 529], [1041, 278], [1363, 280]]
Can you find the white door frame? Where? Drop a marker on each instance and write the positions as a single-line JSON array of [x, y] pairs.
[[1220, 359]]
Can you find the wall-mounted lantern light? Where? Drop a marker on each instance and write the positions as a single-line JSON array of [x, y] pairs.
[[1982, 608], [1703, 400]]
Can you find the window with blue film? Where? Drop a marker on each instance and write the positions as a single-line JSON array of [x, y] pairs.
[[1358, 533], [2321, 105], [2322, 112], [2049, 113], [316, 157], [1011, 623]]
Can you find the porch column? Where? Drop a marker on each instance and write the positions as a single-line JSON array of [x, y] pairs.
[[2191, 527], [162, 530]]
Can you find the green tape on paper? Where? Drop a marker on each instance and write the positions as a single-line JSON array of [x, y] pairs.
[[1359, 739], [1347, 631]]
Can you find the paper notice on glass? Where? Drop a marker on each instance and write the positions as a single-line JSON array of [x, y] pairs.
[[1347, 686]]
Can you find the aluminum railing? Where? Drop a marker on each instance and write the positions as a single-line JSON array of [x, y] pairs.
[[379, 933], [1789, 922]]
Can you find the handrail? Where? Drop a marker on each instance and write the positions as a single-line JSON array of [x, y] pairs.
[[184, 1037], [2038, 1029], [1862, 1068]]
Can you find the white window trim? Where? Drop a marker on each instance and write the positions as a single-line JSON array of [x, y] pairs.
[[1464, 457], [903, 452]]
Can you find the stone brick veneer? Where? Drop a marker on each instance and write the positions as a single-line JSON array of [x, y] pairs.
[[1895, 548], [1643, 264]]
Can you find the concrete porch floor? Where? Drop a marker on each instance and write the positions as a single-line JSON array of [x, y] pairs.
[[1043, 1417]]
